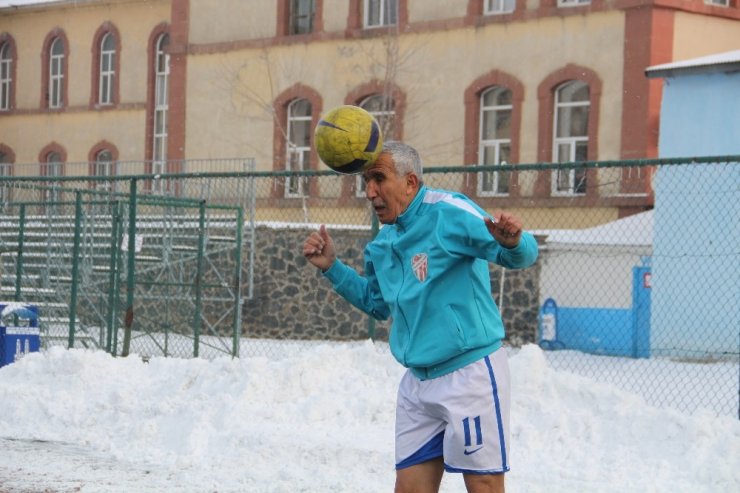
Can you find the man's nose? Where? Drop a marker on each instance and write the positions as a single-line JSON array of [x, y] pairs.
[[370, 190]]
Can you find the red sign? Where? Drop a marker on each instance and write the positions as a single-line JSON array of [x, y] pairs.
[[647, 279]]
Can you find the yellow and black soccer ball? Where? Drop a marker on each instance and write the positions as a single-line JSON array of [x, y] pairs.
[[348, 139]]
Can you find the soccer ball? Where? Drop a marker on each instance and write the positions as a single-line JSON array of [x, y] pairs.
[[348, 139]]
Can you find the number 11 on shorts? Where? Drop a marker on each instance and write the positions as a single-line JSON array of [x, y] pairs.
[[478, 433]]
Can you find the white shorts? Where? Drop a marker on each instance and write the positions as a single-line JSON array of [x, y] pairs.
[[462, 416]]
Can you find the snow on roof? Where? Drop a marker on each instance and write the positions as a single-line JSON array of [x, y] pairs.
[[634, 230], [729, 60]]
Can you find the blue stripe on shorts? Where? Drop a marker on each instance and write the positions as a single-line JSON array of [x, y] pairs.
[[431, 450]]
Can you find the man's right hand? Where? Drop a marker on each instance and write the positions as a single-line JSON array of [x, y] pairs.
[[319, 249]]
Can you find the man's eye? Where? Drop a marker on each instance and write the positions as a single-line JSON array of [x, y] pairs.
[[375, 178]]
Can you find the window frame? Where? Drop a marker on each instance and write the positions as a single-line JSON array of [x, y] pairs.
[[384, 19], [56, 73], [7, 159], [572, 3], [495, 143], [104, 168], [52, 169], [292, 16], [489, 7], [160, 115], [575, 177], [106, 77], [7, 55], [381, 116], [302, 152]]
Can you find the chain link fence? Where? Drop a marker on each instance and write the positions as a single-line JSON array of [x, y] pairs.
[[209, 263]]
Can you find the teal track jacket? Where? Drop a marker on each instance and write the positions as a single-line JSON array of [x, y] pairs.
[[429, 272]]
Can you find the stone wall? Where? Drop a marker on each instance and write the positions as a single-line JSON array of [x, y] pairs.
[[292, 300]]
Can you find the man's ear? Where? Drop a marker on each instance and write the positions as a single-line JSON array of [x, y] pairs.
[[412, 181]]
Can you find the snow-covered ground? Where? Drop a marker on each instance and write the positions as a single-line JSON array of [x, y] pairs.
[[319, 418]]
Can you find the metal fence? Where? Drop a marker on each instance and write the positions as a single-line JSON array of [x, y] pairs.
[[207, 263]]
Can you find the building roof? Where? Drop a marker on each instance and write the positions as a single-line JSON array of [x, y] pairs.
[[634, 230], [719, 62]]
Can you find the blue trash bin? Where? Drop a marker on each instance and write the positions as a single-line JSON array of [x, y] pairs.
[[21, 335]]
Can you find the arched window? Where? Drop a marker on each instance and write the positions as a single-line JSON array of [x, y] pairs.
[[56, 73], [106, 77], [495, 132], [104, 166], [298, 144], [570, 139], [6, 76], [6, 169], [383, 108], [52, 166], [161, 103]]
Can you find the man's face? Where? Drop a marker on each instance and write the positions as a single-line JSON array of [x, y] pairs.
[[389, 193]]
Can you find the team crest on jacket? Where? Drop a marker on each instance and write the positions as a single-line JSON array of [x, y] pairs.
[[420, 266]]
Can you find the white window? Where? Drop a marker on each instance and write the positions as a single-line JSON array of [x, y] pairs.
[[301, 16], [495, 140], [107, 69], [495, 7], [383, 108], [570, 142], [52, 194], [104, 166], [298, 145], [6, 64], [572, 3], [56, 73], [5, 170], [161, 106], [721, 3], [381, 13]]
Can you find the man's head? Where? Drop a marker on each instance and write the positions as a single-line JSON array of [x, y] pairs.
[[393, 180]]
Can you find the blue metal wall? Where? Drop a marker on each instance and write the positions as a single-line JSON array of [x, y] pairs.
[[696, 267]]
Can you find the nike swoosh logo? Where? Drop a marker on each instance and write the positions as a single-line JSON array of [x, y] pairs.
[[468, 452]]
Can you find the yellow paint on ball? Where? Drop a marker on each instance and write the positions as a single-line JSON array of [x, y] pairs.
[[348, 139]]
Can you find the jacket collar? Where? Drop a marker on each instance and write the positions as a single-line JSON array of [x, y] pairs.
[[408, 216]]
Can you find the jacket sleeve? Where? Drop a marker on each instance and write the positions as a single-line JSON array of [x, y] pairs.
[[467, 234], [362, 292]]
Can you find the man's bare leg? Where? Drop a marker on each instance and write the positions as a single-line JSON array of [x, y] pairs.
[[484, 483], [421, 478]]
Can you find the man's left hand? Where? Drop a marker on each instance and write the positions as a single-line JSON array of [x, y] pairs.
[[505, 228]]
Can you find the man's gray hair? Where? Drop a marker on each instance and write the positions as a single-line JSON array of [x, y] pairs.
[[405, 157]]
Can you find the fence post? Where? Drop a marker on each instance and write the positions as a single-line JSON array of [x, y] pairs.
[[19, 258], [131, 277], [199, 277], [238, 281], [113, 275], [75, 270], [117, 284]]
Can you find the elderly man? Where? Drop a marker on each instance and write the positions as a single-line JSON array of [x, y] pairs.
[[428, 270]]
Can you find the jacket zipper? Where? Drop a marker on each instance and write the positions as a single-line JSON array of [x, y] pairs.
[[398, 305]]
